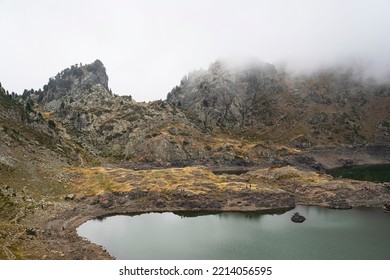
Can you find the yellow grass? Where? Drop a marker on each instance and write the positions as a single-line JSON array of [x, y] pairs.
[[196, 180]]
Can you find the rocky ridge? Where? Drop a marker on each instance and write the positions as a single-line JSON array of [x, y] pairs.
[[119, 129], [224, 115]]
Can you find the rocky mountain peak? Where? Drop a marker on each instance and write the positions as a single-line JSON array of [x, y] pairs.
[[258, 101], [74, 84], [221, 95]]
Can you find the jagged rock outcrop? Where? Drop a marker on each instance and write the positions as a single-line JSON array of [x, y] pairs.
[[80, 84], [225, 96], [258, 101]]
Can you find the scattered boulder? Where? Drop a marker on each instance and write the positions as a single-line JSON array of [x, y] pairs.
[[160, 203], [136, 194], [386, 207], [70, 196], [297, 218], [318, 118], [94, 200], [31, 232], [106, 201], [305, 160], [348, 162], [106, 204]]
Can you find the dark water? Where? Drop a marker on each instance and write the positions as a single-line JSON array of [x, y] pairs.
[[379, 172], [326, 234], [231, 171]]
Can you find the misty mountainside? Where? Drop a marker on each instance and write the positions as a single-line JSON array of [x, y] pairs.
[[259, 102], [229, 115]]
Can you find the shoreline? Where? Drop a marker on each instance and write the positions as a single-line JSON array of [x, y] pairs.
[[74, 217], [48, 228], [98, 249]]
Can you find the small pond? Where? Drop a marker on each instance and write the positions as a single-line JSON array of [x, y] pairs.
[[378, 172], [326, 234], [230, 171]]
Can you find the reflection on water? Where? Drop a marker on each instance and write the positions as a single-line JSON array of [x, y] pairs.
[[326, 234]]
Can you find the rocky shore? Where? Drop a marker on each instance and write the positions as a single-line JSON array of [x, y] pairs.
[[47, 229]]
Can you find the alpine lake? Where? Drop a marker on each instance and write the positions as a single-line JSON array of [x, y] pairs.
[[327, 234]]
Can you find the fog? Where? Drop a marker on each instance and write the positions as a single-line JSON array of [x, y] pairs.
[[148, 46]]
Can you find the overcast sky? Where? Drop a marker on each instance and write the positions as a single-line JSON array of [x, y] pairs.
[[148, 46]]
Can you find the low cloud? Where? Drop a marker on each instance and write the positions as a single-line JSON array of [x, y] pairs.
[[147, 46]]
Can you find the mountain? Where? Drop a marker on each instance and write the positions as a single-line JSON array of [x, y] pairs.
[[246, 114], [259, 102], [75, 150], [113, 127]]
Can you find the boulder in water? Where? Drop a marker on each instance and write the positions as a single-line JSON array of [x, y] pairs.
[[297, 218]]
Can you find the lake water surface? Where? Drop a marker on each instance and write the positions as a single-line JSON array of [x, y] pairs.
[[377, 172], [326, 234]]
